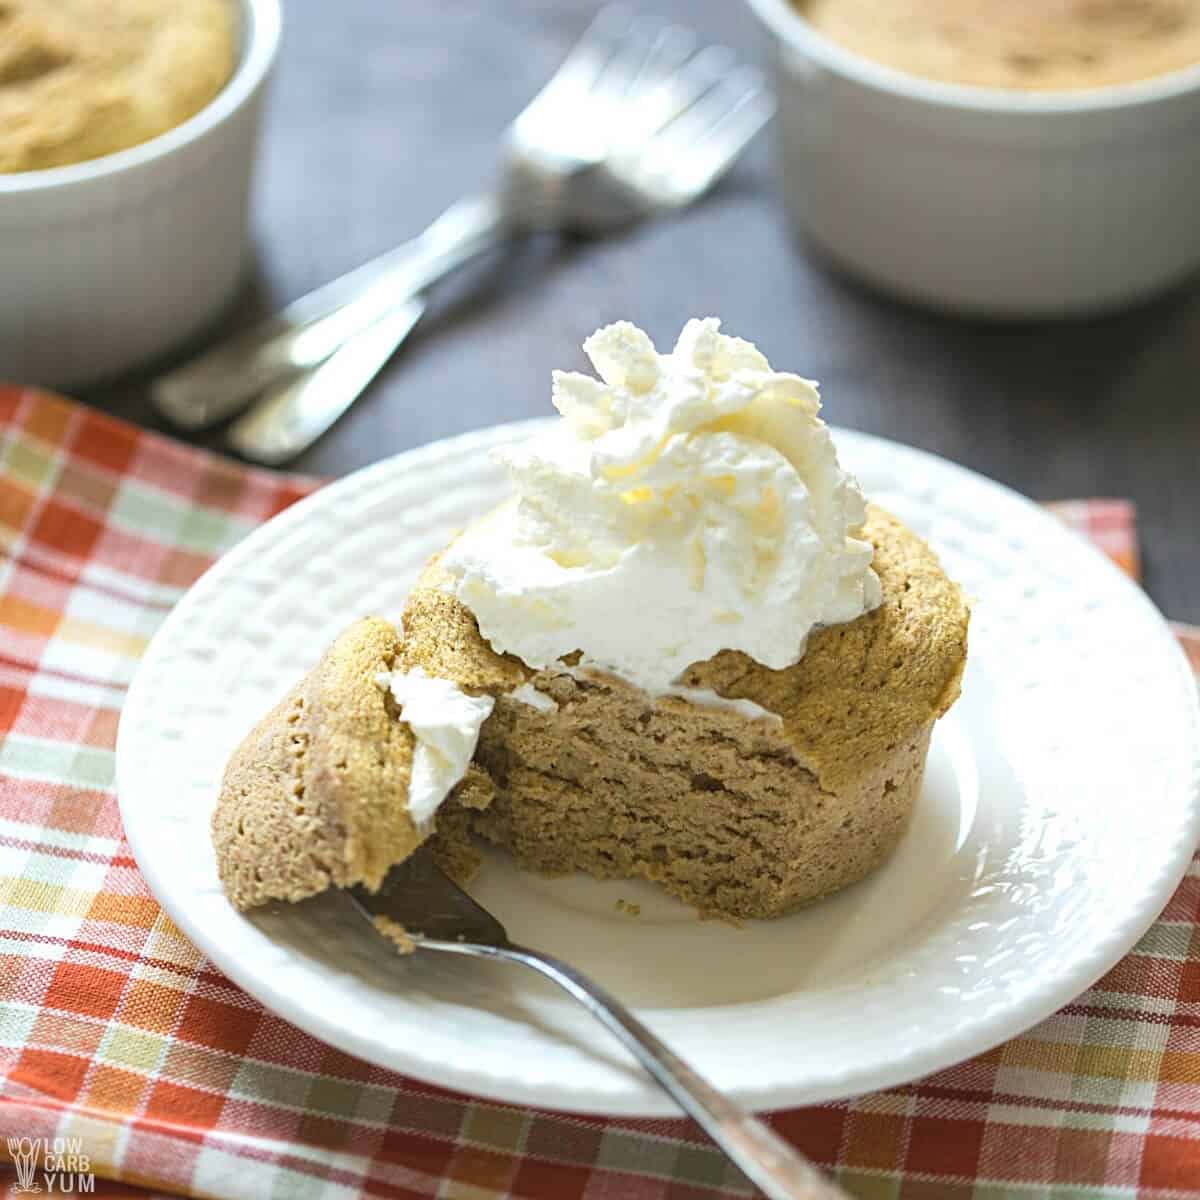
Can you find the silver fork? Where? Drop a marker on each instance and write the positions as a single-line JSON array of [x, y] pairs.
[[638, 120], [421, 897]]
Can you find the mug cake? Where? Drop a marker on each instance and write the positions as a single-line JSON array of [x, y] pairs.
[[687, 650], [1026, 44], [80, 80]]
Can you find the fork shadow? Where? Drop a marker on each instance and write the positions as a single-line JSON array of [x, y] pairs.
[[339, 948], [458, 303], [462, 300]]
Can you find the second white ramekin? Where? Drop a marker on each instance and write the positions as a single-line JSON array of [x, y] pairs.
[[105, 264], [978, 200]]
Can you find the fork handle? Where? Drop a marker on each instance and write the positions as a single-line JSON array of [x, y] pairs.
[[290, 416], [766, 1160], [220, 382]]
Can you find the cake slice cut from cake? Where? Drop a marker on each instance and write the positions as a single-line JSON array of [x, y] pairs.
[[749, 793], [317, 793]]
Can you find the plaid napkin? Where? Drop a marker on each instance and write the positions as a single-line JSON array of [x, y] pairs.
[[119, 1039]]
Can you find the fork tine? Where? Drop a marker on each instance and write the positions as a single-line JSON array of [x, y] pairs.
[[656, 120], [421, 898], [602, 36], [673, 47], [729, 138], [648, 55], [699, 166], [585, 62], [702, 115], [669, 48], [679, 90], [632, 52]]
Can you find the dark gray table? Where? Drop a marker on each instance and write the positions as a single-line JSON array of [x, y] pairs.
[[383, 113]]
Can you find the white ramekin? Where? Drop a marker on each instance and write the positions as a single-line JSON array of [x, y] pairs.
[[980, 200], [106, 263]]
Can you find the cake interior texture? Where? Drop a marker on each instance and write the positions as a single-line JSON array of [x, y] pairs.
[[712, 806], [741, 810]]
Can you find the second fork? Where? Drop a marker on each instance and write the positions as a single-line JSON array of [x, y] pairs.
[[636, 120]]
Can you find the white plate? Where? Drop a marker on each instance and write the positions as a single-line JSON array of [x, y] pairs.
[[1059, 811]]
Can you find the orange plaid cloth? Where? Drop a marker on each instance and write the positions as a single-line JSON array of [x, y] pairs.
[[120, 1041]]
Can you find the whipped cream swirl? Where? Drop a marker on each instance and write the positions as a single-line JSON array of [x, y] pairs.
[[687, 503]]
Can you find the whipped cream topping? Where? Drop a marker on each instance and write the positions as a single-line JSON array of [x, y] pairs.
[[701, 697], [687, 503], [446, 723], [528, 694], [707, 698]]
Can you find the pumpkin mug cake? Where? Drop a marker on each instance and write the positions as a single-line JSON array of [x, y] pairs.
[[686, 650], [80, 79], [1021, 44]]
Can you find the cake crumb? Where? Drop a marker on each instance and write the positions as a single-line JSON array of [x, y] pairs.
[[396, 934], [715, 914], [631, 910]]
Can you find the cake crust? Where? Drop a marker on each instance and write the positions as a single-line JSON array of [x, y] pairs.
[[861, 688]]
